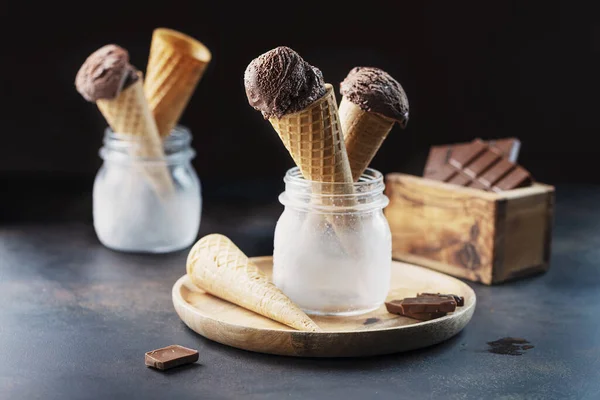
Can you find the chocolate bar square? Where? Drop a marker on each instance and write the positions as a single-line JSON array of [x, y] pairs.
[[477, 165]]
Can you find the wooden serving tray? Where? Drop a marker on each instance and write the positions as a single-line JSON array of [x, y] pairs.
[[377, 332]]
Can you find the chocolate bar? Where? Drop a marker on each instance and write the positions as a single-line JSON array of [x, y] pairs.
[[171, 357], [465, 155], [439, 155], [477, 165]]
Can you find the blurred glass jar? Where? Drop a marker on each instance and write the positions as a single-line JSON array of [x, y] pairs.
[[147, 200], [333, 252]]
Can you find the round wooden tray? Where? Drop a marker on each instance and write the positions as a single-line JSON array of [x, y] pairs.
[[377, 332]]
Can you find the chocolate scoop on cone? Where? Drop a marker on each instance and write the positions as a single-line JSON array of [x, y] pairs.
[[107, 79], [176, 65], [372, 102], [302, 109], [292, 95]]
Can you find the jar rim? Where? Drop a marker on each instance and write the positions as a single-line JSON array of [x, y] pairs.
[[118, 146], [363, 195], [369, 178], [179, 136]]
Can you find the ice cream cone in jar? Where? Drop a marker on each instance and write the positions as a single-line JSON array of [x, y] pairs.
[[146, 193], [332, 248], [302, 109], [107, 79], [372, 103]]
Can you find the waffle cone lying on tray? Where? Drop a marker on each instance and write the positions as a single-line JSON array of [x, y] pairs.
[[175, 66], [116, 87], [372, 102], [217, 266]]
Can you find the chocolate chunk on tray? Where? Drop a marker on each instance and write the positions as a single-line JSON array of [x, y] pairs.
[[460, 300]]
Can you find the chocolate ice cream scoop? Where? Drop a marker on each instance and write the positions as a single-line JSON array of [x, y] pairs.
[[374, 90], [105, 73], [280, 82]]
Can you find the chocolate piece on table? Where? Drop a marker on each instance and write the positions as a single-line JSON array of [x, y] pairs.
[[508, 147], [460, 301], [171, 357]]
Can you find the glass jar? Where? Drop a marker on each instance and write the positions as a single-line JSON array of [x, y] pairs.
[[147, 200], [333, 247]]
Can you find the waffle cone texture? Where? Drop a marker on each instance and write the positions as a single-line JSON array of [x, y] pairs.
[[175, 66], [216, 265], [129, 114], [314, 139], [364, 133]]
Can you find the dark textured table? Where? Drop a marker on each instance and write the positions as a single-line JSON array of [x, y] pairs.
[[77, 318]]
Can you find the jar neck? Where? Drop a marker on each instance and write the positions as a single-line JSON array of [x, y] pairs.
[[176, 148], [365, 195]]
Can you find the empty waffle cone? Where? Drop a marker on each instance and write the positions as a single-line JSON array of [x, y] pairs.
[[364, 133], [216, 265], [314, 138], [175, 66], [129, 114]]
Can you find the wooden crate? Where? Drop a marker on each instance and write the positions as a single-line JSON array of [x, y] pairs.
[[469, 233]]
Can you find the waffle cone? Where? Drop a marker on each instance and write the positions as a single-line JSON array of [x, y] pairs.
[[129, 114], [364, 133], [219, 267], [313, 137], [175, 66]]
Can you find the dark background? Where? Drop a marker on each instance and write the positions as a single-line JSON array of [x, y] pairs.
[[486, 68], [470, 69]]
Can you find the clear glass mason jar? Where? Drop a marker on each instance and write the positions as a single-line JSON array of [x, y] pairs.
[[143, 202], [333, 252]]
